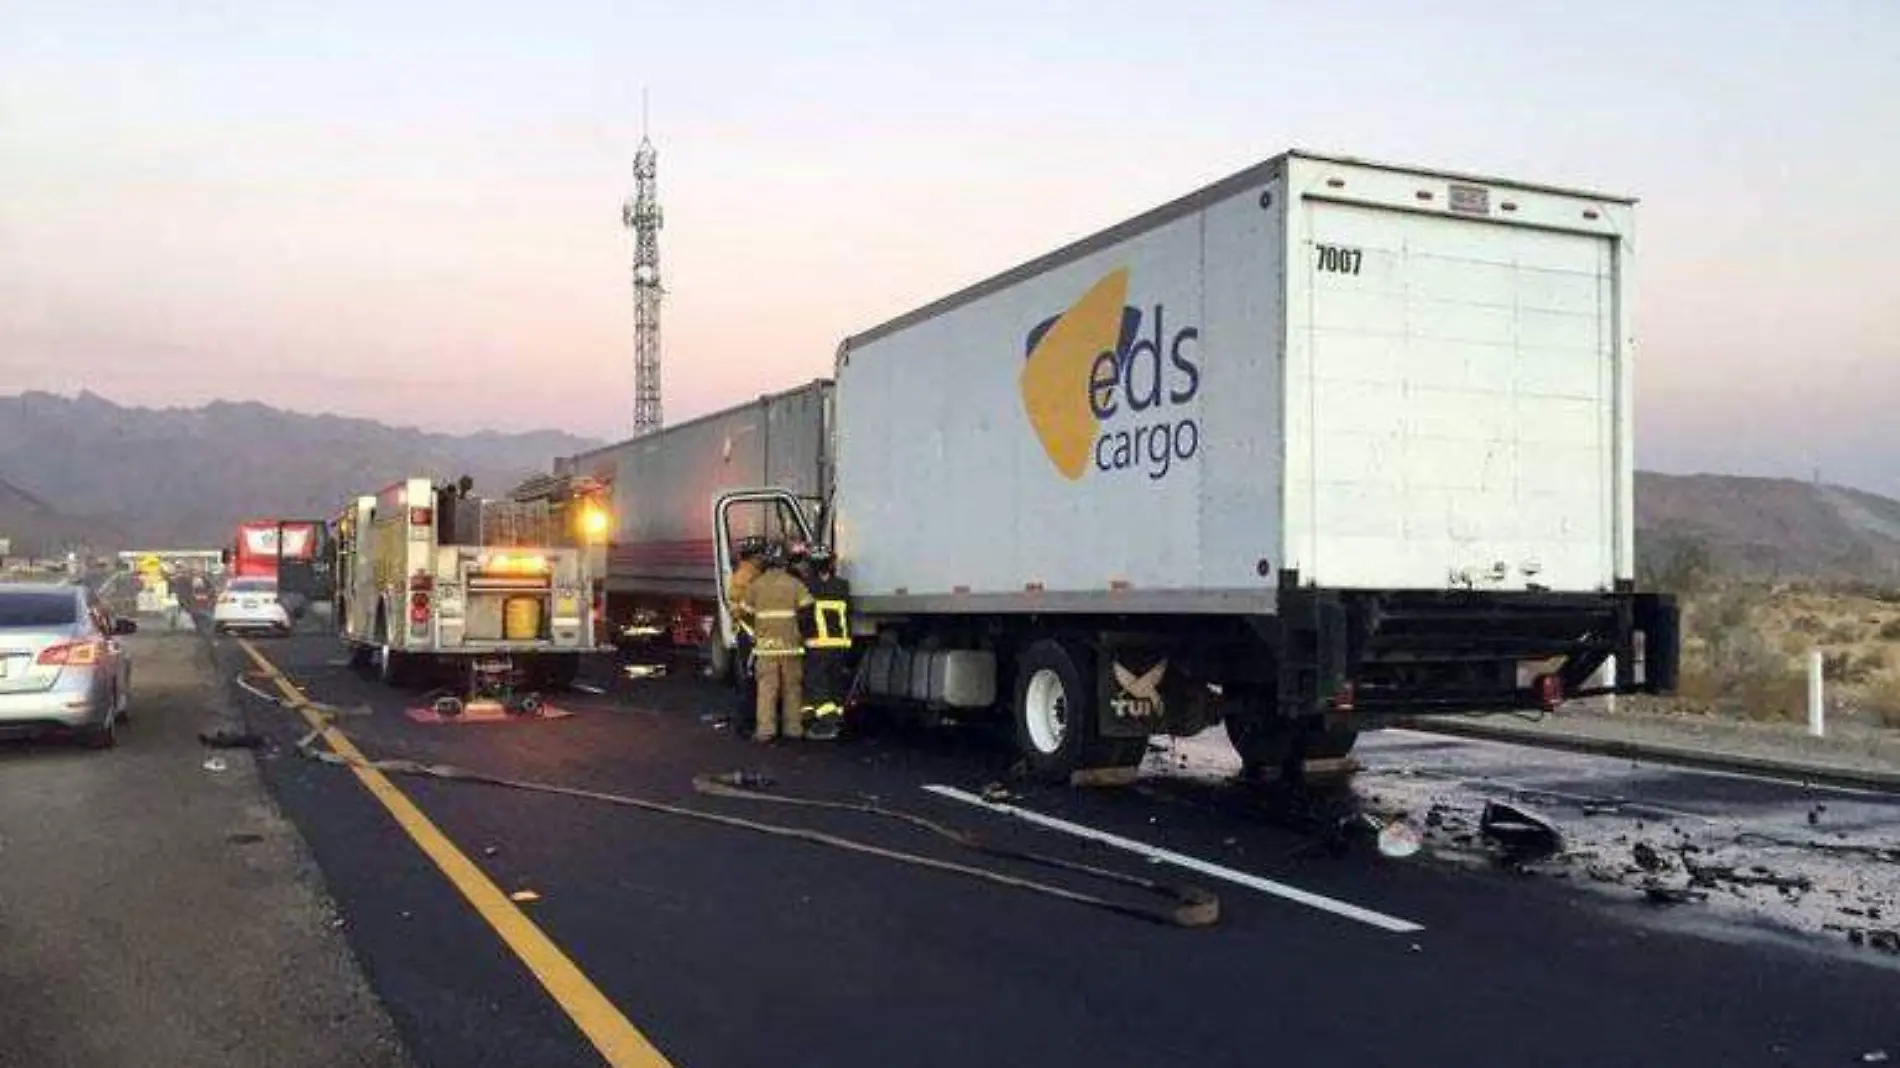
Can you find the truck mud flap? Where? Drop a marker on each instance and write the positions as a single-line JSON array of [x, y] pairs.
[[1658, 618]]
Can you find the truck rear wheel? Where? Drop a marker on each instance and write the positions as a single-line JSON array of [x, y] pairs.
[[1055, 714], [393, 668], [557, 671], [1269, 743]]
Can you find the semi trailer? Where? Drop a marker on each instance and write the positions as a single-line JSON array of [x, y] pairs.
[[1323, 443]]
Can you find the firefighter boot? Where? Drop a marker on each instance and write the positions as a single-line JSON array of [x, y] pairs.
[[824, 722]]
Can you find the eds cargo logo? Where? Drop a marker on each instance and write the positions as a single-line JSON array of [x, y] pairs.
[[1102, 383]]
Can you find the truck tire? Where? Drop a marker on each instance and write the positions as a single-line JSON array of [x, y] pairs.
[[557, 672], [1266, 742], [1331, 744], [1055, 715], [393, 668]]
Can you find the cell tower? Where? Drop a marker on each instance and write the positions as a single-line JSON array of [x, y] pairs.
[[642, 215]]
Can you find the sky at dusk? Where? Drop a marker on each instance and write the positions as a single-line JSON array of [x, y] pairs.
[[412, 211]]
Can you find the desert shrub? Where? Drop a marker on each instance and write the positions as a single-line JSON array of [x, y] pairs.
[[1776, 696], [1748, 675], [1807, 623], [1890, 631], [1845, 633], [1851, 668], [1883, 700], [1732, 610], [1883, 592], [1673, 562]]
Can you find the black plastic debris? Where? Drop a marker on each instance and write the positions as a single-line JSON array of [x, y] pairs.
[[1648, 859], [226, 738], [1711, 874], [1884, 940], [1521, 835], [1672, 895]]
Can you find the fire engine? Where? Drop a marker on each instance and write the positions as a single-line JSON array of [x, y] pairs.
[[430, 577]]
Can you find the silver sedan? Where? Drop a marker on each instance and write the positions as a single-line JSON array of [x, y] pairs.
[[61, 664]]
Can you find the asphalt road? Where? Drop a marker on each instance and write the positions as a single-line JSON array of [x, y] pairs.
[[156, 912], [725, 947]]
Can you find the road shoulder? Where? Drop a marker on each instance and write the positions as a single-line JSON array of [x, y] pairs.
[[159, 910], [1851, 756]]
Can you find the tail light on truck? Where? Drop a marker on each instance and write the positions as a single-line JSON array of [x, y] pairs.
[[1549, 692], [420, 584]]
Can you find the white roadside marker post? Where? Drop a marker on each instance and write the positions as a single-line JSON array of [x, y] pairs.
[[1817, 706]]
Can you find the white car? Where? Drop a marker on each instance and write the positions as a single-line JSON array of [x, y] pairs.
[[61, 663], [249, 604]]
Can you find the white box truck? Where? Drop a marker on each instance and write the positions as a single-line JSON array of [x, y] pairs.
[[1325, 442]]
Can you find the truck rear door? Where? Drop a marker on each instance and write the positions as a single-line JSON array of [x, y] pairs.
[[1455, 390]]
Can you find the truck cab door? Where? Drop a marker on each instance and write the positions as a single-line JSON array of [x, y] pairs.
[[737, 514]]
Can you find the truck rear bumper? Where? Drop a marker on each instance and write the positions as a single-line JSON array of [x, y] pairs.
[[471, 651], [1419, 652]]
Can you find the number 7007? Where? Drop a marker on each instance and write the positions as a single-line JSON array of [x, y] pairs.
[[1338, 259]]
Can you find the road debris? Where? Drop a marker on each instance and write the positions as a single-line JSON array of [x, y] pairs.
[[1521, 835], [1400, 839], [1672, 895], [1761, 863], [645, 671], [1648, 859], [587, 687], [1711, 874], [226, 738], [215, 763], [996, 793], [524, 896]]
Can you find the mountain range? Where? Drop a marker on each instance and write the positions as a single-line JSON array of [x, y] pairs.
[[84, 467]]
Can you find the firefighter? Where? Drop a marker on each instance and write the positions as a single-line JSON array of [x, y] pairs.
[[827, 647], [772, 602], [751, 551]]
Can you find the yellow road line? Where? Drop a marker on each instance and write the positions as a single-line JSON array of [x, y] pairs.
[[611, 1033]]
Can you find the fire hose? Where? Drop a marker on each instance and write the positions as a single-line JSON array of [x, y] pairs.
[[1183, 905]]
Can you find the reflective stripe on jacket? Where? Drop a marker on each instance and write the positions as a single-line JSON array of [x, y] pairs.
[[772, 601]]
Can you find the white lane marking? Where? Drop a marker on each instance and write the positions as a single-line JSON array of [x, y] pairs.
[[1168, 856]]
